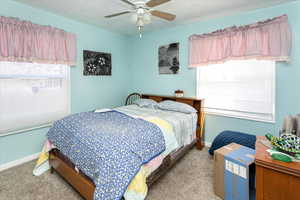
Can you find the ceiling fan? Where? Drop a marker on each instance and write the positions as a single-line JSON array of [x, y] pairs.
[[142, 12]]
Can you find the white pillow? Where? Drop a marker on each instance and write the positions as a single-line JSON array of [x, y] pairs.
[[176, 106], [146, 103]]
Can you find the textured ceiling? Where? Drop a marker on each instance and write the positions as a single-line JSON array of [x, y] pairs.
[[93, 11]]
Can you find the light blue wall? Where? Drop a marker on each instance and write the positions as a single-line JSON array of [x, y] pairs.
[[136, 70], [87, 92], [144, 65]]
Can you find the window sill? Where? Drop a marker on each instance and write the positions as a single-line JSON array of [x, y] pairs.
[[245, 116]]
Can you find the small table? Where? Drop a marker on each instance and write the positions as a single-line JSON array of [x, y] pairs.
[[275, 180]]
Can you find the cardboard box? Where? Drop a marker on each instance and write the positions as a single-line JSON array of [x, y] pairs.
[[219, 168], [232, 168]]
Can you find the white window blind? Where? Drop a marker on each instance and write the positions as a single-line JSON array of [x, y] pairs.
[[239, 88], [32, 95]]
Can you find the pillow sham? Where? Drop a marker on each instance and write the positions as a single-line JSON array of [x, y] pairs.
[[176, 106], [146, 103]]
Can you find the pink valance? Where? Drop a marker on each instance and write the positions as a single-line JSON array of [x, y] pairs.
[[23, 41], [268, 40]]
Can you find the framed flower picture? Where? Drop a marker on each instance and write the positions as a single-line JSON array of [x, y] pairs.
[[96, 63]]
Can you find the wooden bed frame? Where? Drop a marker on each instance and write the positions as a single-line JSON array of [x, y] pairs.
[[85, 186]]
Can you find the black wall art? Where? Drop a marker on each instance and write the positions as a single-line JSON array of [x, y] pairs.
[[96, 63], [168, 59]]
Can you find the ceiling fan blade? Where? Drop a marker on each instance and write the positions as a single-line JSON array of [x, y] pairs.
[[163, 15], [117, 14], [153, 3], [128, 2]]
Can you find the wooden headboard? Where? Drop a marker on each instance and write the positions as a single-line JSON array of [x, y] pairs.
[[196, 103]]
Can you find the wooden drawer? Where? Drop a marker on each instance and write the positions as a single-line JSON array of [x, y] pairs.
[[275, 185], [275, 180]]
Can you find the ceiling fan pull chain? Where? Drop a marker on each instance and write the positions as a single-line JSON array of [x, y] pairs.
[[140, 31]]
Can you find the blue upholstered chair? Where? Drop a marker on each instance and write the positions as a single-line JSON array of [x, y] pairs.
[[227, 137]]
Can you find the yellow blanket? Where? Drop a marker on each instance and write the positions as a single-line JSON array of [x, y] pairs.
[[138, 189]]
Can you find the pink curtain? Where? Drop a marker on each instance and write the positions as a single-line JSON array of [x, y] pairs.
[[268, 40], [23, 41]]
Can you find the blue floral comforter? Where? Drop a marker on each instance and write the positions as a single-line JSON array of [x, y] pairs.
[[109, 147]]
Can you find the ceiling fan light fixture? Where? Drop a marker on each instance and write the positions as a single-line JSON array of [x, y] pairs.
[[142, 12], [134, 17], [140, 22], [147, 18]]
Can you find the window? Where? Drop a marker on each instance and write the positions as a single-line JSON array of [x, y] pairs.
[[32, 95], [242, 89]]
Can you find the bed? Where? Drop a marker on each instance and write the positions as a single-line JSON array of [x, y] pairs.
[[81, 182]]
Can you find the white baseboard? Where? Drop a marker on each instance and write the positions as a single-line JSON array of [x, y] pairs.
[[35, 156], [207, 144], [19, 161]]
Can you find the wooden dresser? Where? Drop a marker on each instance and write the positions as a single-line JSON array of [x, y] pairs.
[[275, 180]]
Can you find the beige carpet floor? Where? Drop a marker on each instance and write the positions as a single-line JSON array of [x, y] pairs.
[[190, 179]]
